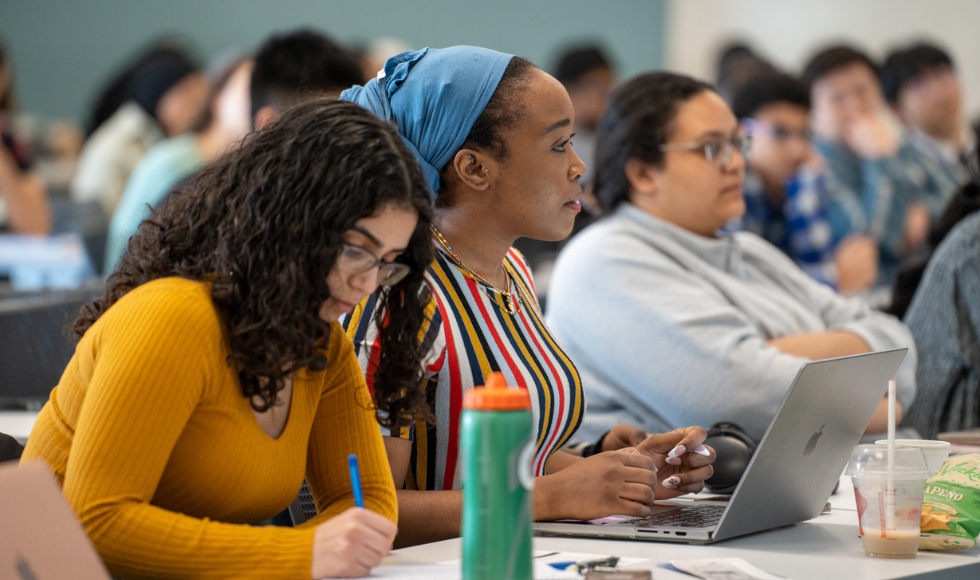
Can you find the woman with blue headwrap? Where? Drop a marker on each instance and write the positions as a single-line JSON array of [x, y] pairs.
[[492, 134]]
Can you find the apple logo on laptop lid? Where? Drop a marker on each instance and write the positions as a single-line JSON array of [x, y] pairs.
[[812, 443], [23, 568]]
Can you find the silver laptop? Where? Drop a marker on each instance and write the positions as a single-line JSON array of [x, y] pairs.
[[794, 470], [40, 537]]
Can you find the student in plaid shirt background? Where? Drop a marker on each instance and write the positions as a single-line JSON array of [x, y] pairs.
[[785, 192]]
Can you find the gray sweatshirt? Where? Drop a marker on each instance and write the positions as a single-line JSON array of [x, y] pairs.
[[669, 328]]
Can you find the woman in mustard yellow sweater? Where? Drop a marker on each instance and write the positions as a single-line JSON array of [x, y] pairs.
[[213, 376]]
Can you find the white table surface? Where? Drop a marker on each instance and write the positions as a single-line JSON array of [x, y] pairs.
[[17, 424], [824, 548]]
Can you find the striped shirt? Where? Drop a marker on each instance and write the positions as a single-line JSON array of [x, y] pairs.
[[470, 334]]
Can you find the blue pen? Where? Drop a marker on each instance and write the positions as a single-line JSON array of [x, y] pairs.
[[355, 480], [560, 565]]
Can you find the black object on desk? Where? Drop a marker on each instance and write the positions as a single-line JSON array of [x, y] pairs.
[[734, 450], [10, 448]]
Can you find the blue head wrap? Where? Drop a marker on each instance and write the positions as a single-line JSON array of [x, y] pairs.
[[434, 96]]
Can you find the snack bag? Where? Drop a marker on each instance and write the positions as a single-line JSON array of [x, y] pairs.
[[951, 505]]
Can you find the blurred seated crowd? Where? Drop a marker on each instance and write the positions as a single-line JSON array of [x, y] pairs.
[[852, 161], [155, 123], [855, 169]]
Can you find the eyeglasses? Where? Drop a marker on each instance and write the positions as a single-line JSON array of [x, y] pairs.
[[357, 260], [718, 152], [777, 133]]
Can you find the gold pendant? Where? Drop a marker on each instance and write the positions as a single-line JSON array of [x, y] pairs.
[[509, 303]]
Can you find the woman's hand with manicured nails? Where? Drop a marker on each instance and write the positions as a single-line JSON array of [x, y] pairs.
[[350, 544], [681, 460]]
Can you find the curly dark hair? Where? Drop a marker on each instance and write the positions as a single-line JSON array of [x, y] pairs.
[[264, 223]]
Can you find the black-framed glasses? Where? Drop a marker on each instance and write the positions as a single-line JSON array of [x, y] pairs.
[[357, 260], [718, 152]]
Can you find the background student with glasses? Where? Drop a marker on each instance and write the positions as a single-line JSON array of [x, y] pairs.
[[786, 196], [670, 320]]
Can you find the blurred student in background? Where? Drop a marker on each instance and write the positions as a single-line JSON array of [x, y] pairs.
[[737, 64], [157, 97], [877, 181], [24, 205], [785, 193], [589, 76], [922, 87], [944, 317], [223, 123], [289, 69], [373, 54], [295, 67]]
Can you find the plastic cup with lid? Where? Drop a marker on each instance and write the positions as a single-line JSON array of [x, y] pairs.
[[936, 452], [889, 500]]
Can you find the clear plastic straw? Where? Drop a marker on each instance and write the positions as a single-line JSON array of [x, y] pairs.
[[890, 489]]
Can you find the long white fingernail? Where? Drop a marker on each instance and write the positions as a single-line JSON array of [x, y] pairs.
[[677, 451], [702, 450], [672, 481]]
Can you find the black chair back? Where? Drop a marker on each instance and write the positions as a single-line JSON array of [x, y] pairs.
[[36, 343], [303, 507]]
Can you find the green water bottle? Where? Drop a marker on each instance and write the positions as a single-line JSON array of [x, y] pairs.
[[497, 450]]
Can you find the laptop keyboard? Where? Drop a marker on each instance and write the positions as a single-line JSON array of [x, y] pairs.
[[699, 516]]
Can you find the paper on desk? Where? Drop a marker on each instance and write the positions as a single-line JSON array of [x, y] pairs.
[[547, 557], [441, 572], [435, 572], [722, 569]]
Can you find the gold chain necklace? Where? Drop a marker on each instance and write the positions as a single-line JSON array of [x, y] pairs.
[[509, 303]]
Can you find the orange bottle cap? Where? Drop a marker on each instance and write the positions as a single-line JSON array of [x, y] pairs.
[[497, 396]]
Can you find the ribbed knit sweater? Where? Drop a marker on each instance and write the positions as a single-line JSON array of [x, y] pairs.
[[164, 462]]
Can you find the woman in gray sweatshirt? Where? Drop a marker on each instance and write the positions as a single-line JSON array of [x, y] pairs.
[[672, 321]]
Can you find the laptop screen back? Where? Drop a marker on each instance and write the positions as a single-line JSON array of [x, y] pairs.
[[806, 447], [40, 537]]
